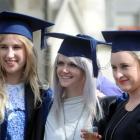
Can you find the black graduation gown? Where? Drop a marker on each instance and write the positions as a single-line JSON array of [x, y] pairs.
[[41, 116], [31, 114], [124, 125]]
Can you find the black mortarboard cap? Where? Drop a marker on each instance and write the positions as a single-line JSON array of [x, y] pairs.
[[80, 45], [123, 40], [16, 23]]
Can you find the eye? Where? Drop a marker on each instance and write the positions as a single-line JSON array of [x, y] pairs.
[[17, 47], [60, 63], [73, 65], [124, 66], [3, 47], [114, 68]]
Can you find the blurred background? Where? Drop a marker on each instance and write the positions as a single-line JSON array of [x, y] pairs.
[[77, 16]]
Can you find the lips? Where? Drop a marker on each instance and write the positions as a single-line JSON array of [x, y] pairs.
[[10, 62], [66, 77], [122, 81]]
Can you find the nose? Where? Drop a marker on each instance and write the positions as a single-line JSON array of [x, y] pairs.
[[65, 69], [118, 74], [10, 52]]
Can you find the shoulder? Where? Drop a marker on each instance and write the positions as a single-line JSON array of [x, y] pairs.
[[46, 92], [112, 100], [109, 104], [108, 100], [47, 100]]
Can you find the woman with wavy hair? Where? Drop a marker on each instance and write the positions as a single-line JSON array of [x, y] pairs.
[[20, 88]]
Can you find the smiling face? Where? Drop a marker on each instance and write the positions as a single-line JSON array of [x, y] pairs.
[[68, 73], [13, 56], [126, 71]]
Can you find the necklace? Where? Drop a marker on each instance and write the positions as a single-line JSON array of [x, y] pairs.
[[77, 123]]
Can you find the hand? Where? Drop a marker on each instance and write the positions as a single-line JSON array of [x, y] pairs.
[[86, 135]]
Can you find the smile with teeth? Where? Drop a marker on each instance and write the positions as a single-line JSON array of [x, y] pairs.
[[66, 77], [10, 62]]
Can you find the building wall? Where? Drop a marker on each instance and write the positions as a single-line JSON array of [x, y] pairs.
[[74, 17], [70, 16], [35, 8], [124, 13]]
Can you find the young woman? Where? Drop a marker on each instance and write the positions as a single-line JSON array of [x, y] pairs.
[[73, 114], [125, 61], [20, 89], [75, 103]]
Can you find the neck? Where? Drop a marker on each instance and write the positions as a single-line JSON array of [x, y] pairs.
[[134, 95], [133, 101], [13, 79], [73, 92]]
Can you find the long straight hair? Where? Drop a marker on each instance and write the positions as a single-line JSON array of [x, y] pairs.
[[89, 92]]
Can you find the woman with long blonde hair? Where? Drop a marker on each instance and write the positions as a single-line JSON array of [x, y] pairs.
[[75, 103], [20, 88]]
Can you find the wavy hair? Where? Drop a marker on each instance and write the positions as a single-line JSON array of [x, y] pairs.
[[30, 75]]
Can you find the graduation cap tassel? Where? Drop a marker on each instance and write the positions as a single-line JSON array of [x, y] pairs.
[[93, 44], [94, 58], [43, 39]]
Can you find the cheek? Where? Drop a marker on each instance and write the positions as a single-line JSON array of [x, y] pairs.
[[57, 71], [136, 75], [2, 58], [24, 52], [114, 75], [81, 75], [24, 60], [3, 53], [23, 55]]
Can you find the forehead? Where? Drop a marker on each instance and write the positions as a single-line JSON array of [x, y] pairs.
[[122, 57], [62, 57], [9, 36], [10, 39]]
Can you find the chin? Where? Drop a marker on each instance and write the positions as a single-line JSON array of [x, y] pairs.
[[64, 85], [126, 89]]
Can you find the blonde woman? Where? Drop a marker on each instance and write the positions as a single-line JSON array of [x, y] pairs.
[[75, 105], [125, 62], [20, 88]]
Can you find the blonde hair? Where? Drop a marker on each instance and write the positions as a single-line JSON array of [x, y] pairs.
[[30, 75], [136, 54], [89, 92]]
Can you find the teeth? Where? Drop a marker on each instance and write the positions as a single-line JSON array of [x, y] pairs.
[[65, 77], [9, 60]]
